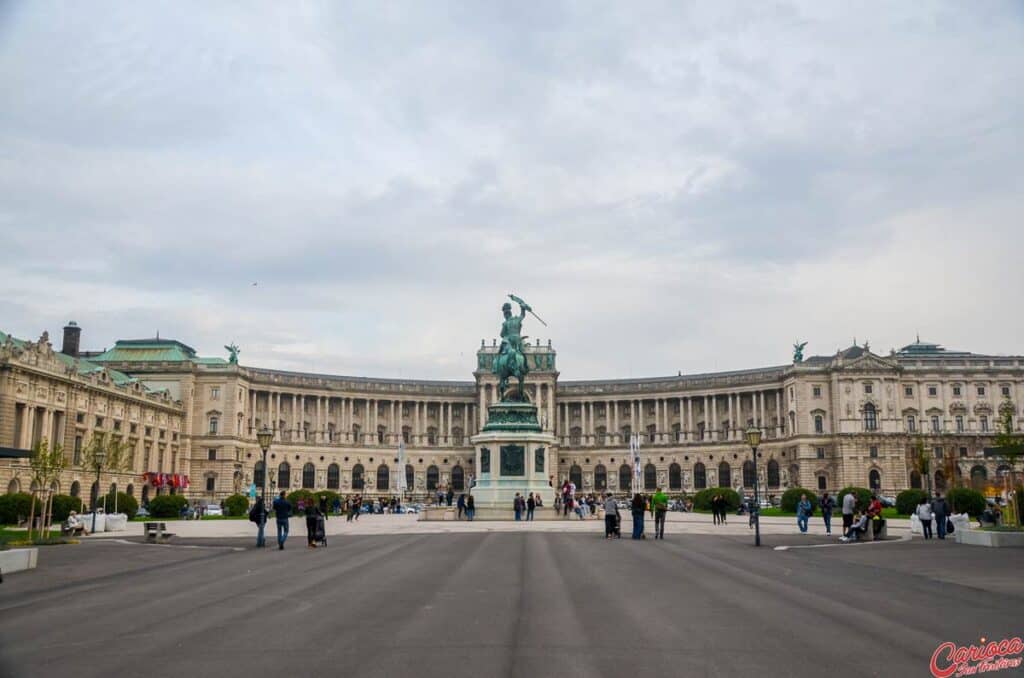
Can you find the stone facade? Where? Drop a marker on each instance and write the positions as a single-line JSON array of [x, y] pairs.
[[829, 421]]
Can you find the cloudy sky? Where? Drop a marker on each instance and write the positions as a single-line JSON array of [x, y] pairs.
[[671, 187]]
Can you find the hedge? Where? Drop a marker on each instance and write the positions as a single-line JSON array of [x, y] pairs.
[[126, 504], [907, 501], [305, 496], [236, 505], [14, 508], [167, 505], [966, 500], [791, 497], [863, 495], [64, 504], [702, 500]]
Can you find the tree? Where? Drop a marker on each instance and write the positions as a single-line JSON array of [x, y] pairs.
[[1009, 448], [46, 463], [921, 463]]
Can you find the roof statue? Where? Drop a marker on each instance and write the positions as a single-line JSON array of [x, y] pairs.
[[233, 351], [511, 360], [798, 352]]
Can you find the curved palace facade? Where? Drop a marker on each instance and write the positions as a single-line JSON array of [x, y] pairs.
[[853, 418]]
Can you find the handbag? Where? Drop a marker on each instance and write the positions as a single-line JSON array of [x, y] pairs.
[[949, 526]]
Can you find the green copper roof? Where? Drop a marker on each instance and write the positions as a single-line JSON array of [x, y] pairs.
[[146, 350], [85, 367]]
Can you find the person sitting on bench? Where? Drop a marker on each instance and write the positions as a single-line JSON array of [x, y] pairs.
[[859, 527], [74, 525]]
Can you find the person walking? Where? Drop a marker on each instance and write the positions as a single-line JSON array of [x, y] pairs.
[[827, 504], [637, 509], [531, 504], [312, 513], [611, 517], [924, 514], [803, 512], [470, 508], [461, 505], [258, 515], [659, 506], [450, 496], [714, 509], [282, 512], [517, 506], [849, 506], [940, 511]]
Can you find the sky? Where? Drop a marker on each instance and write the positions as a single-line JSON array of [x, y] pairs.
[[354, 188]]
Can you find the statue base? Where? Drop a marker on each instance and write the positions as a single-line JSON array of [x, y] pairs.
[[512, 455]]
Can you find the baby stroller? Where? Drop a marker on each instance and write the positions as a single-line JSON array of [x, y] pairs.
[[618, 526], [321, 531]]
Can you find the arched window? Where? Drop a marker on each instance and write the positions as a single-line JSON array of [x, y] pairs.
[[822, 482], [700, 476], [979, 476], [308, 476], [724, 475], [600, 477], [915, 480], [576, 476], [383, 477], [458, 478], [748, 473], [357, 477], [76, 488], [258, 472], [773, 473], [650, 477], [625, 478], [432, 478], [675, 477], [333, 477], [940, 481], [410, 477], [875, 480], [870, 418], [284, 474]]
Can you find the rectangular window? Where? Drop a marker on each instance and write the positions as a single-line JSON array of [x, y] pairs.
[[1006, 391], [99, 422], [911, 424], [983, 421], [162, 433], [959, 423], [149, 431], [908, 391], [956, 391], [867, 388], [78, 450], [133, 428], [145, 457], [80, 417], [215, 393], [816, 391], [210, 484], [819, 424], [963, 451], [873, 451], [933, 391], [935, 424], [981, 391], [117, 425], [211, 455], [213, 426], [938, 452], [821, 453], [174, 436]]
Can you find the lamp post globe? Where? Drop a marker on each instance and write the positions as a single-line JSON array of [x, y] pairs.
[[754, 440]]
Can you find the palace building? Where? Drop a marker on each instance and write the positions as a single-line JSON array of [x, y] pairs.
[[852, 418]]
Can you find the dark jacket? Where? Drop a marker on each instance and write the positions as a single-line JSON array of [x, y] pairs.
[[530, 503], [939, 507], [638, 504], [282, 508]]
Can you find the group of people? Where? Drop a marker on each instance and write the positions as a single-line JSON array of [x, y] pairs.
[[719, 509], [936, 510], [525, 505]]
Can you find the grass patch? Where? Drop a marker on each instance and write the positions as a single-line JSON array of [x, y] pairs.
[[1001, 528], [16, 538], [779, 513]]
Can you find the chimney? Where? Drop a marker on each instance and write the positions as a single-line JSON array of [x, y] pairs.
[[72, 336]]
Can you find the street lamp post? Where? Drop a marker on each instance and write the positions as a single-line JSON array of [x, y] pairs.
[[98, 458], [754, 440], [264, 438]]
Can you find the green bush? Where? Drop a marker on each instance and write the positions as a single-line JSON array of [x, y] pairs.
[[305, 496], [126, 504], [64, 504], [863, 495], [167, 505], [791, 497], [331, 496], [14, 508], [236, 505], [907, 501], [966, 500], [702, 500]]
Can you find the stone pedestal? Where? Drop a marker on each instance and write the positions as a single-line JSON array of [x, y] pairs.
[[513, 455]]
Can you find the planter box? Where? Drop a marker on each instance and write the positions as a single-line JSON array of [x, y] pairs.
[[16, 560], [990, 538]]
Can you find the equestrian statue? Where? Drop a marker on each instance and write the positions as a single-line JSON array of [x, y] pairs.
[[511, 360]]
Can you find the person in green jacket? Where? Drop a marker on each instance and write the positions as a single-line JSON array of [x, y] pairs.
[[659, 507]]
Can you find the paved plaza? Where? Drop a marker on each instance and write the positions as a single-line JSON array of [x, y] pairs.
[[531, 602]]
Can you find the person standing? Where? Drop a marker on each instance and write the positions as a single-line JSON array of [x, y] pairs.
[[470, 508], [312, 513], [282, 511], [924, 514], [714, 509], [827, 504], [803, 512], [659, 506], [637, 509], [531, 504], [517, 506], [940, 511], [611, 516], [461, 505], [849, 506], [450, 496], [258, 515], [875, 514]]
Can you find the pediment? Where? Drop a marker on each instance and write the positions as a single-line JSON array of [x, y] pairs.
[[869, 362]]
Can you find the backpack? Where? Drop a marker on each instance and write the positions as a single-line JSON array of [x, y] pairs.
[[254, 516]]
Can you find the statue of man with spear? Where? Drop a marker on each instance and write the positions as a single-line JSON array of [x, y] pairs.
[[511, 360]]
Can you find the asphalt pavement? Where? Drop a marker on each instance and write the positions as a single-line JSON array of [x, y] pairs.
[[530, 604]]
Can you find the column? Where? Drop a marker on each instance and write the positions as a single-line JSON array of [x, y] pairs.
[[316, 420], [632, 416], [760, 398], [252, 412], [482, 410], [277, 415], [615, 419], [778, 413], [564, 420], [588, 423], [707, 418], [416, 422], [732, 420], [465, 423], [448, 432], [714, 417], [657, 419], [351, 419], [551, 407], [689, 418]]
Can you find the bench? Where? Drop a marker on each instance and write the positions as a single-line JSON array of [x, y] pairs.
[[157, 532]]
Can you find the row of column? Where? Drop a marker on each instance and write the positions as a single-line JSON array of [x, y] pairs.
[[29, 433], [754, 404], [357, 420]]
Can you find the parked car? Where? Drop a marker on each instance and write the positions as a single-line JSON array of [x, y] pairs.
[[214, 510], [142, 513]]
